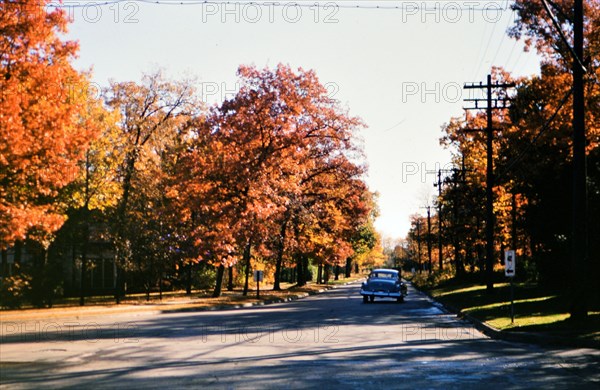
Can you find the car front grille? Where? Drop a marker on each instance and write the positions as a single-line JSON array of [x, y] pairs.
[[380, 287]]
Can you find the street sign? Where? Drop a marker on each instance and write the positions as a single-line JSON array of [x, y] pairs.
[[258, 277], [509, 263]]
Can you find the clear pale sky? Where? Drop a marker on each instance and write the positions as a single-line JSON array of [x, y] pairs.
[[401, 70]]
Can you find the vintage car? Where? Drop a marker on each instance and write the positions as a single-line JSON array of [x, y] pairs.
[[383, 283]]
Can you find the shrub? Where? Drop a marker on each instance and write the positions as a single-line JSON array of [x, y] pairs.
[[14, 290]]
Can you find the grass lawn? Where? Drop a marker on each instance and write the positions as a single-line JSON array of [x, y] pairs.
[[535, 309]]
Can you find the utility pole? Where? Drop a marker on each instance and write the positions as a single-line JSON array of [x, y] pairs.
[[489, 190], [439, 186], [419, 244], [579, 249], [580, 280], [513, 212], [458, 176], [428, 236]]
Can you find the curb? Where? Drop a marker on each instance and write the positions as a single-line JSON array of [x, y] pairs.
[[242, 305], [528, 337], [518, 337]]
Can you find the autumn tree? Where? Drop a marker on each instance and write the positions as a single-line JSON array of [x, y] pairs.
[[46, 129], [43, 122], [93, 195], [463, 193], [324, 172], [202, 198], [334, 208], [252, 158], [351, 217], [365, 236], [153, 115]]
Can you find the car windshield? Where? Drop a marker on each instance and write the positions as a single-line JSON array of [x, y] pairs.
[[383, 275]]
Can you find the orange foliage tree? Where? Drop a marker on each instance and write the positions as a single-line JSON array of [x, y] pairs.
[[43, 123], [256, 158]]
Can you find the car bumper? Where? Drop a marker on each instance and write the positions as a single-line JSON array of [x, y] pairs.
[[381, 294]]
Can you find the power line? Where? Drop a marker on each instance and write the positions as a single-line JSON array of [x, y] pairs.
[[403, 6], [512, 50], [475, 66], [503, 38], [486, 50], [515, 67]]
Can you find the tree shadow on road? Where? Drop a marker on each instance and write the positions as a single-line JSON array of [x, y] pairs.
[[296, 345]]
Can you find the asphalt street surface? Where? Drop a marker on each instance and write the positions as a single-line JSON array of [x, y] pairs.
[[328, 341]]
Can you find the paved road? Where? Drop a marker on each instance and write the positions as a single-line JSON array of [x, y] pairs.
[[328, 341]]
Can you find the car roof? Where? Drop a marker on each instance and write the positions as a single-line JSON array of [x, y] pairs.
[[392, 271]]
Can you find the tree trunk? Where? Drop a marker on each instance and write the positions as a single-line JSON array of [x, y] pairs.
[[301, 274], [84, 252], [121, 222], [160, 283], [86, 229], [280, 250], [188, 287], [307, 276], [348, 267], [230, 279], [337, 272], [4, 264], [277, 282], [219, 282], [246, 261], [118, 283], [320, 274], [82, 280], [48, 281], [460, 269]]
